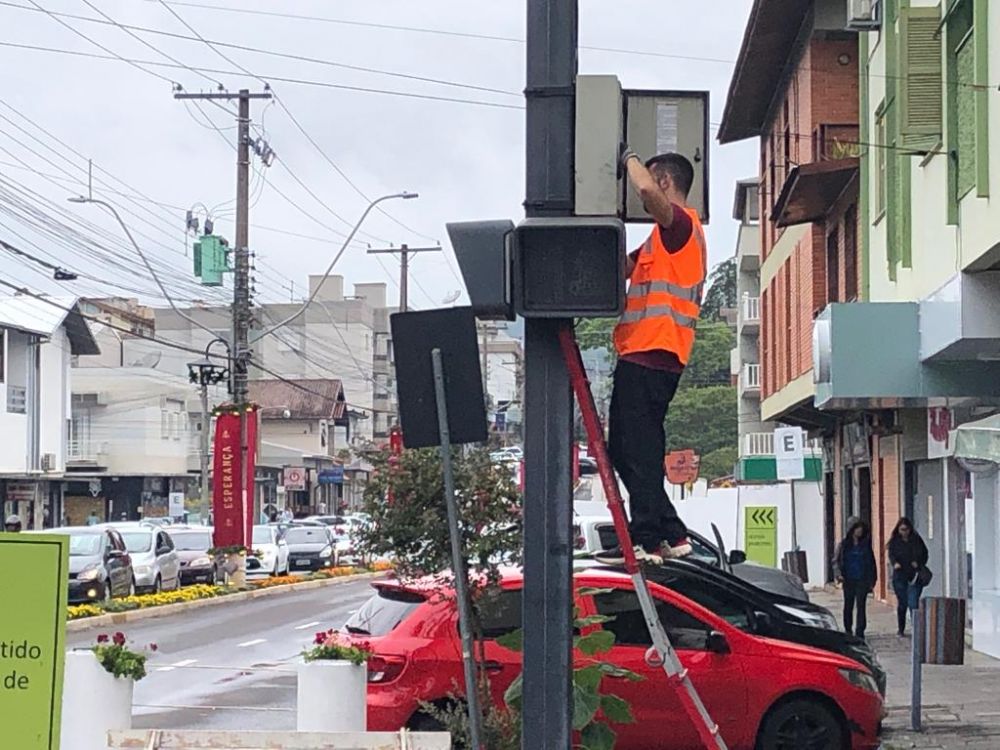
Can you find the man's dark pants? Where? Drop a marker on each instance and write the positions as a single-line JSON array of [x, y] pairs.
[[856, 597], [637, 442]]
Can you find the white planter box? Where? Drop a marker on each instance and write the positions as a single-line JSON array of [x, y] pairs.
[[94, 702], [332, 696]]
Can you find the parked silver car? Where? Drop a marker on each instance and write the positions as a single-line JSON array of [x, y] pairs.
[[155, 562]]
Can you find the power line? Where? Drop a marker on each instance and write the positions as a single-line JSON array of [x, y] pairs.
[[272, 78]]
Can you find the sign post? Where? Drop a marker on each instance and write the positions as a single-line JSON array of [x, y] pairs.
[[760, 528], [32, 639]]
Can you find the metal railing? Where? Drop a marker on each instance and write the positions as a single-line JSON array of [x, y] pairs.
[[17, 399]]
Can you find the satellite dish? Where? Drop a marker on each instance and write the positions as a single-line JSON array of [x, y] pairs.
[[149, 361], [451, 297]]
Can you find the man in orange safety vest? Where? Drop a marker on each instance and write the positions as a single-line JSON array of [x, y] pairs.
[[653, 340]]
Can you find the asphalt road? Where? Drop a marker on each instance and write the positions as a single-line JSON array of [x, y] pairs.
[[231, 666]]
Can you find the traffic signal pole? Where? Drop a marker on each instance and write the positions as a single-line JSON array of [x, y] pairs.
[[550, 96]]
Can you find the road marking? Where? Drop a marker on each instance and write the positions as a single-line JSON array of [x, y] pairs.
[[254, 642], [307, 625], [182, 663]]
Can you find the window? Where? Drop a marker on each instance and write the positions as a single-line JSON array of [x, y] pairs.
[[718, 601], [881, 155], [501, 613], [965, 66], [164, 424], [920, 89], [832, 265], [381, 614], [629, 624], [753, 204], [851, 254]]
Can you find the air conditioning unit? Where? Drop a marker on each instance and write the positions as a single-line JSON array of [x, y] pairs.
[[48, 462], [864, 15]]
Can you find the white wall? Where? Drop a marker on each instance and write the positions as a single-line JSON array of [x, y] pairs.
[[55, 397], [129, 428], [726, 508], [986, 564]]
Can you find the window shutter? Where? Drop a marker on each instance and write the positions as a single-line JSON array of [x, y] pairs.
[[920, 85]]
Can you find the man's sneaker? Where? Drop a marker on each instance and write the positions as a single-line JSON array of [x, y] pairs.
[[616, 556], [681, 548]]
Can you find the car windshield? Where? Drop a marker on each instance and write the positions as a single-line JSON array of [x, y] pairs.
[[83, 545], [263, 535], [383, 612], [307, 535], [196, 541], [138, 541]]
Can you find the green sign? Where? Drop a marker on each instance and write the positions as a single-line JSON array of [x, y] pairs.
[[33, 590], [760, 529]]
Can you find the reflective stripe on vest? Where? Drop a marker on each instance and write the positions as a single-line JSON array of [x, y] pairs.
[[659, 311], [686, 293]]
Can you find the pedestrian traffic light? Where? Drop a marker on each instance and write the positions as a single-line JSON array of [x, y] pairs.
[[569, 267], [482, 251], [211, 259]]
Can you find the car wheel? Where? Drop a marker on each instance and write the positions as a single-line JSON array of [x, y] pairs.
[[801, 724]]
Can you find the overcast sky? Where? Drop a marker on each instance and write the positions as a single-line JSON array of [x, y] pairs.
[[466, 160]]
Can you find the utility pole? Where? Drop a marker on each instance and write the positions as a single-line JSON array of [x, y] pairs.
[[404, 267], [242, 314]]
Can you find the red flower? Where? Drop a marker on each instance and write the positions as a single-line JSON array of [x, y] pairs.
[[119, 639], [102, 638], [153, 647], [320, 639]]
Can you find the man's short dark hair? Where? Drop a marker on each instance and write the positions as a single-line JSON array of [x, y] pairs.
[[677, 166]]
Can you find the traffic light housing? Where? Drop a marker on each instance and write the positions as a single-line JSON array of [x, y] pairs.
[[569, 267], [211, 259]]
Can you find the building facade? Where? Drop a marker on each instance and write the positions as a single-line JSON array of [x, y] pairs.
[[38, 340]]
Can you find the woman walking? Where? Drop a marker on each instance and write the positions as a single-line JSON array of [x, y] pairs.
[[857, 568], [908, 556]]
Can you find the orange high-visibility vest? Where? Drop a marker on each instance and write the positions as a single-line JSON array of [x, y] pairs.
[[664, 296]]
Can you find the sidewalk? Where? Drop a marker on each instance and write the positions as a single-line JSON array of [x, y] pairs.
[[961, 707]]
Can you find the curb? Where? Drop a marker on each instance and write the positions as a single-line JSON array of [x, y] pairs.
[[135, 615]]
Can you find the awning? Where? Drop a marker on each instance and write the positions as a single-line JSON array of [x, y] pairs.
[[811, 190], [979, 440]]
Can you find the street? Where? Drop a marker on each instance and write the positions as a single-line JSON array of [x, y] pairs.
[[230, 667]]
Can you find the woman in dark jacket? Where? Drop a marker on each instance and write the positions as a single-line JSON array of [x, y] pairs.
[[907, 555], [859, 573]]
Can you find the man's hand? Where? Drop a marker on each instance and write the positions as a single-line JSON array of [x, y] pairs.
[[624, 154]]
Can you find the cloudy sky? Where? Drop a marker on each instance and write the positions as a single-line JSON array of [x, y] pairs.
[[155, 157]]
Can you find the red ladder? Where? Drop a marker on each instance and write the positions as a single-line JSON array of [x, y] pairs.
[[677, 675]]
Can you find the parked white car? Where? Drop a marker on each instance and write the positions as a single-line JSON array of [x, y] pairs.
[[155, 562], [273, 552]]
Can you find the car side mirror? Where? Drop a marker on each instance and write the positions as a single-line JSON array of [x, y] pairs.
[[762, 623], [716, 643], [737, 556]]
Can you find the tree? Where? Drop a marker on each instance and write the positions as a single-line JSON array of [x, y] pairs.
[[719, 463], [703, 418], [721, 290]]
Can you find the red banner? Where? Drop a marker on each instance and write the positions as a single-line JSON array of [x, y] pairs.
[[251, 486], [227, 486]]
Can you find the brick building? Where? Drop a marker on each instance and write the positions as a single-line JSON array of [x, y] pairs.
[[795, 87]]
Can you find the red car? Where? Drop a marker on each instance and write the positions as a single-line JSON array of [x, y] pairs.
[[765, 694]]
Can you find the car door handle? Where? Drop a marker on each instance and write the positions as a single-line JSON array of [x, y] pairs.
[[492, 666]]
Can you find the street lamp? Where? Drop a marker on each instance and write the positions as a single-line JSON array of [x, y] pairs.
[[403, 195], [203, 373]]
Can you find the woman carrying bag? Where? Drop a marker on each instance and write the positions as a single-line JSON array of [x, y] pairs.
[[908, 557], [856, 564]]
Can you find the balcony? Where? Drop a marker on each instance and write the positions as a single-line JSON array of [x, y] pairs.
[[762, 444], [750, 379], [749, 315], [86, 451], [835, 142], [17, 399]]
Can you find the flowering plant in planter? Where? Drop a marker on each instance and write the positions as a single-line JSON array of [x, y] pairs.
[[118, 659], [327, 647]]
